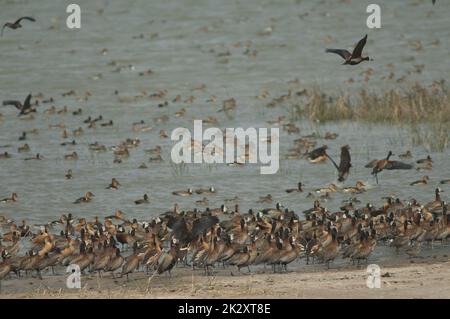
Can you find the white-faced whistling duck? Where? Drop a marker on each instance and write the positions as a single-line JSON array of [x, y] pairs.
[[143, 200], [352, 58], [189, 192], [265, 199], [388, 164], [114, 184], [359, 188], [5, 155], [72, 156], [423, 181], [204, 201], [330, 251], [208, 191], [24, 148], [294, 190], [169, 259], [437, 203], [425, 160], [406, 155], [11, 199], [5, 268], [85, 199], [115, 262]]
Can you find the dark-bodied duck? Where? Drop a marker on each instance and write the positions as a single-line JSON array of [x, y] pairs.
[[318, 155], [295, 190], [344, 164], [114, 184], [204, 202], [38, 157], [406, 155], [72, 156], [24, 108], [143, 200], [16, 24], [437, 203], [265, 199], [69, 174], [5, 155], [169, 259], [207, 191], [11, 199], [24, 148], [426, 160], [85, 199], [445, 181], [23, 137], [352, 58], [423, 181]]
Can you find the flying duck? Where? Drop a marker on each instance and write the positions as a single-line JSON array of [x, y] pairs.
[[24, 108], [352, 58], [16, 24]]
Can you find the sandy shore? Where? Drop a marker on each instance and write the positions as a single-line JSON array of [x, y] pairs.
[[419, 278]]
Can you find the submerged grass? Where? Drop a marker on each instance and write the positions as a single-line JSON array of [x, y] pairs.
[[423, 111], [414, 105]]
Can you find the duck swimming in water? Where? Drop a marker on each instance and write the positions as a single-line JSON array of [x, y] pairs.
[[114, 184], [69, 174], [85, 199], [11, 199], [142, 200], [189, 192], [423, 181], [294, 190]]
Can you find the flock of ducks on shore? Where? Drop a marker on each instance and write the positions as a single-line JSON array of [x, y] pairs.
[[215, 238]]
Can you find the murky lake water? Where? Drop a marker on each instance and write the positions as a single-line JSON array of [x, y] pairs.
[[184, 46]]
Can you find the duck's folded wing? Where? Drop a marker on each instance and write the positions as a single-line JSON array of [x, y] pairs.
[[398, 165], [202, 224]]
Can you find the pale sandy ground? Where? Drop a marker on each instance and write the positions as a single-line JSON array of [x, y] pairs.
[[421, 278]]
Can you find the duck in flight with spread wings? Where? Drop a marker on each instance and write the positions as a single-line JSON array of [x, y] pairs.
[[352, 58], [24, 108], [16, 25]]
